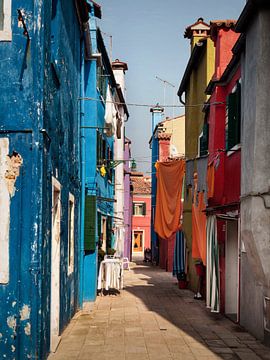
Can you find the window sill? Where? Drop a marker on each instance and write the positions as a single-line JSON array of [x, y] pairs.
[[5, 35], [233, 149]]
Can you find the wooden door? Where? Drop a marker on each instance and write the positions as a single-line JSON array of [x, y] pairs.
[[138, 241]]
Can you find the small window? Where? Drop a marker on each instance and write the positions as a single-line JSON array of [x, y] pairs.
[[139, 209], [71, 205], [102, 81], [5, 20], [233, 118], [203, 141]]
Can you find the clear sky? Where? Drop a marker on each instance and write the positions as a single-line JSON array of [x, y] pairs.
[[148, 35]]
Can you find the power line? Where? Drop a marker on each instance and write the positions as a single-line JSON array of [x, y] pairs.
[[150, 105]]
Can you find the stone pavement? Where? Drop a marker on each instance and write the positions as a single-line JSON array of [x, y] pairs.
[[152, 319]]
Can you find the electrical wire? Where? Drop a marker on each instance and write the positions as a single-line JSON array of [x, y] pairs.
[[150, 105]]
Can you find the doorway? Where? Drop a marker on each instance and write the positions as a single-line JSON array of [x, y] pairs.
[[55, 265], [231, 270], [138, 241]]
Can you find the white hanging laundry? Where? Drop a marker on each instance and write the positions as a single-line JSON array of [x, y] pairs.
[[110, 114]]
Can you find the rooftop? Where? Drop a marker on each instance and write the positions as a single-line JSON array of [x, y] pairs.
[[141, 183]]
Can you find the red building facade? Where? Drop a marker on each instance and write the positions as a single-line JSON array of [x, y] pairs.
[[223, 114]]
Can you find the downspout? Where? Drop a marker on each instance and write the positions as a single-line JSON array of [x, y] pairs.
[[181, 100], [82, 157]]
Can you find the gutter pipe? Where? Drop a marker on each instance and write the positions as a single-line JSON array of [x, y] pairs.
[[82, 146]]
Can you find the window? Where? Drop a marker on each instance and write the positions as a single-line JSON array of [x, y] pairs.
[[5, 20], [203, 141], [104, 154], [71, 205], [101, 81], [233, 118], [139, 209]]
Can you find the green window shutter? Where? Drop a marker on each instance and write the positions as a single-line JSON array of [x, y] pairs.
[[98, 147], [144, 208], [238, 124], [204, 141], [109, 232], [233, 122], [133, 206], [90, 223], [99, 224]]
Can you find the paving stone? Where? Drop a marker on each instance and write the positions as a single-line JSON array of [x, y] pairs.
[[247, 355], [151, 319], [221, 350]]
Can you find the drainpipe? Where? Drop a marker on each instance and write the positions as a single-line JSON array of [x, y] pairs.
[[181, 100], [82, 157]]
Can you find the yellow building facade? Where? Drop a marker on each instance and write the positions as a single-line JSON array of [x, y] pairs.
[[198, 73]]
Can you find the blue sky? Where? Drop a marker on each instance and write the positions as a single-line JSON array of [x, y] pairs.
[[148, 35]]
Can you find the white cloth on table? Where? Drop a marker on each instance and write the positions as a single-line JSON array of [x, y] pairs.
[[110, 274]]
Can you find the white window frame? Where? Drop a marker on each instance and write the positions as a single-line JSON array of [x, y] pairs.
[[138, 204], [71, 244], [6, 34]]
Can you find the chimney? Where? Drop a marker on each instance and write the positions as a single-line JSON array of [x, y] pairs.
[[157, 115], [197, 31], [119, 70]]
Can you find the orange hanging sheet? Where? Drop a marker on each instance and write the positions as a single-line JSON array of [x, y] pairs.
[[168, 203], [198, 227]]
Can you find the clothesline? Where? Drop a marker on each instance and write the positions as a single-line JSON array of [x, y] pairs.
[[150, 105]]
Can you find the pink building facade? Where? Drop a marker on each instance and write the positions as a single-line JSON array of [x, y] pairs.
[[141, 218]]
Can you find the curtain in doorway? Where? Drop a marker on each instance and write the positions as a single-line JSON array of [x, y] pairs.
[[212, 269], [179, 260]]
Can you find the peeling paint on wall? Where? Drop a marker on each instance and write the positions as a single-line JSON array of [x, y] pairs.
[[27, 329], [25, 312], [12, 322], [9, 171], [14, 162]]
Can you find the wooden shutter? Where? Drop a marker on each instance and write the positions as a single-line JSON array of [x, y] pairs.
[[109, 232], [234, 118], [144, 209], [238, 122], [98, 147], [90, 223]]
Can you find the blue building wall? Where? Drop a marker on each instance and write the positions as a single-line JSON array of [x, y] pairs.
[[157, 117], [39, 114], [96, 185]]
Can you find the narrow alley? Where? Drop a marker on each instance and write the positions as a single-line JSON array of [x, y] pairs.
[[152, 319]]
